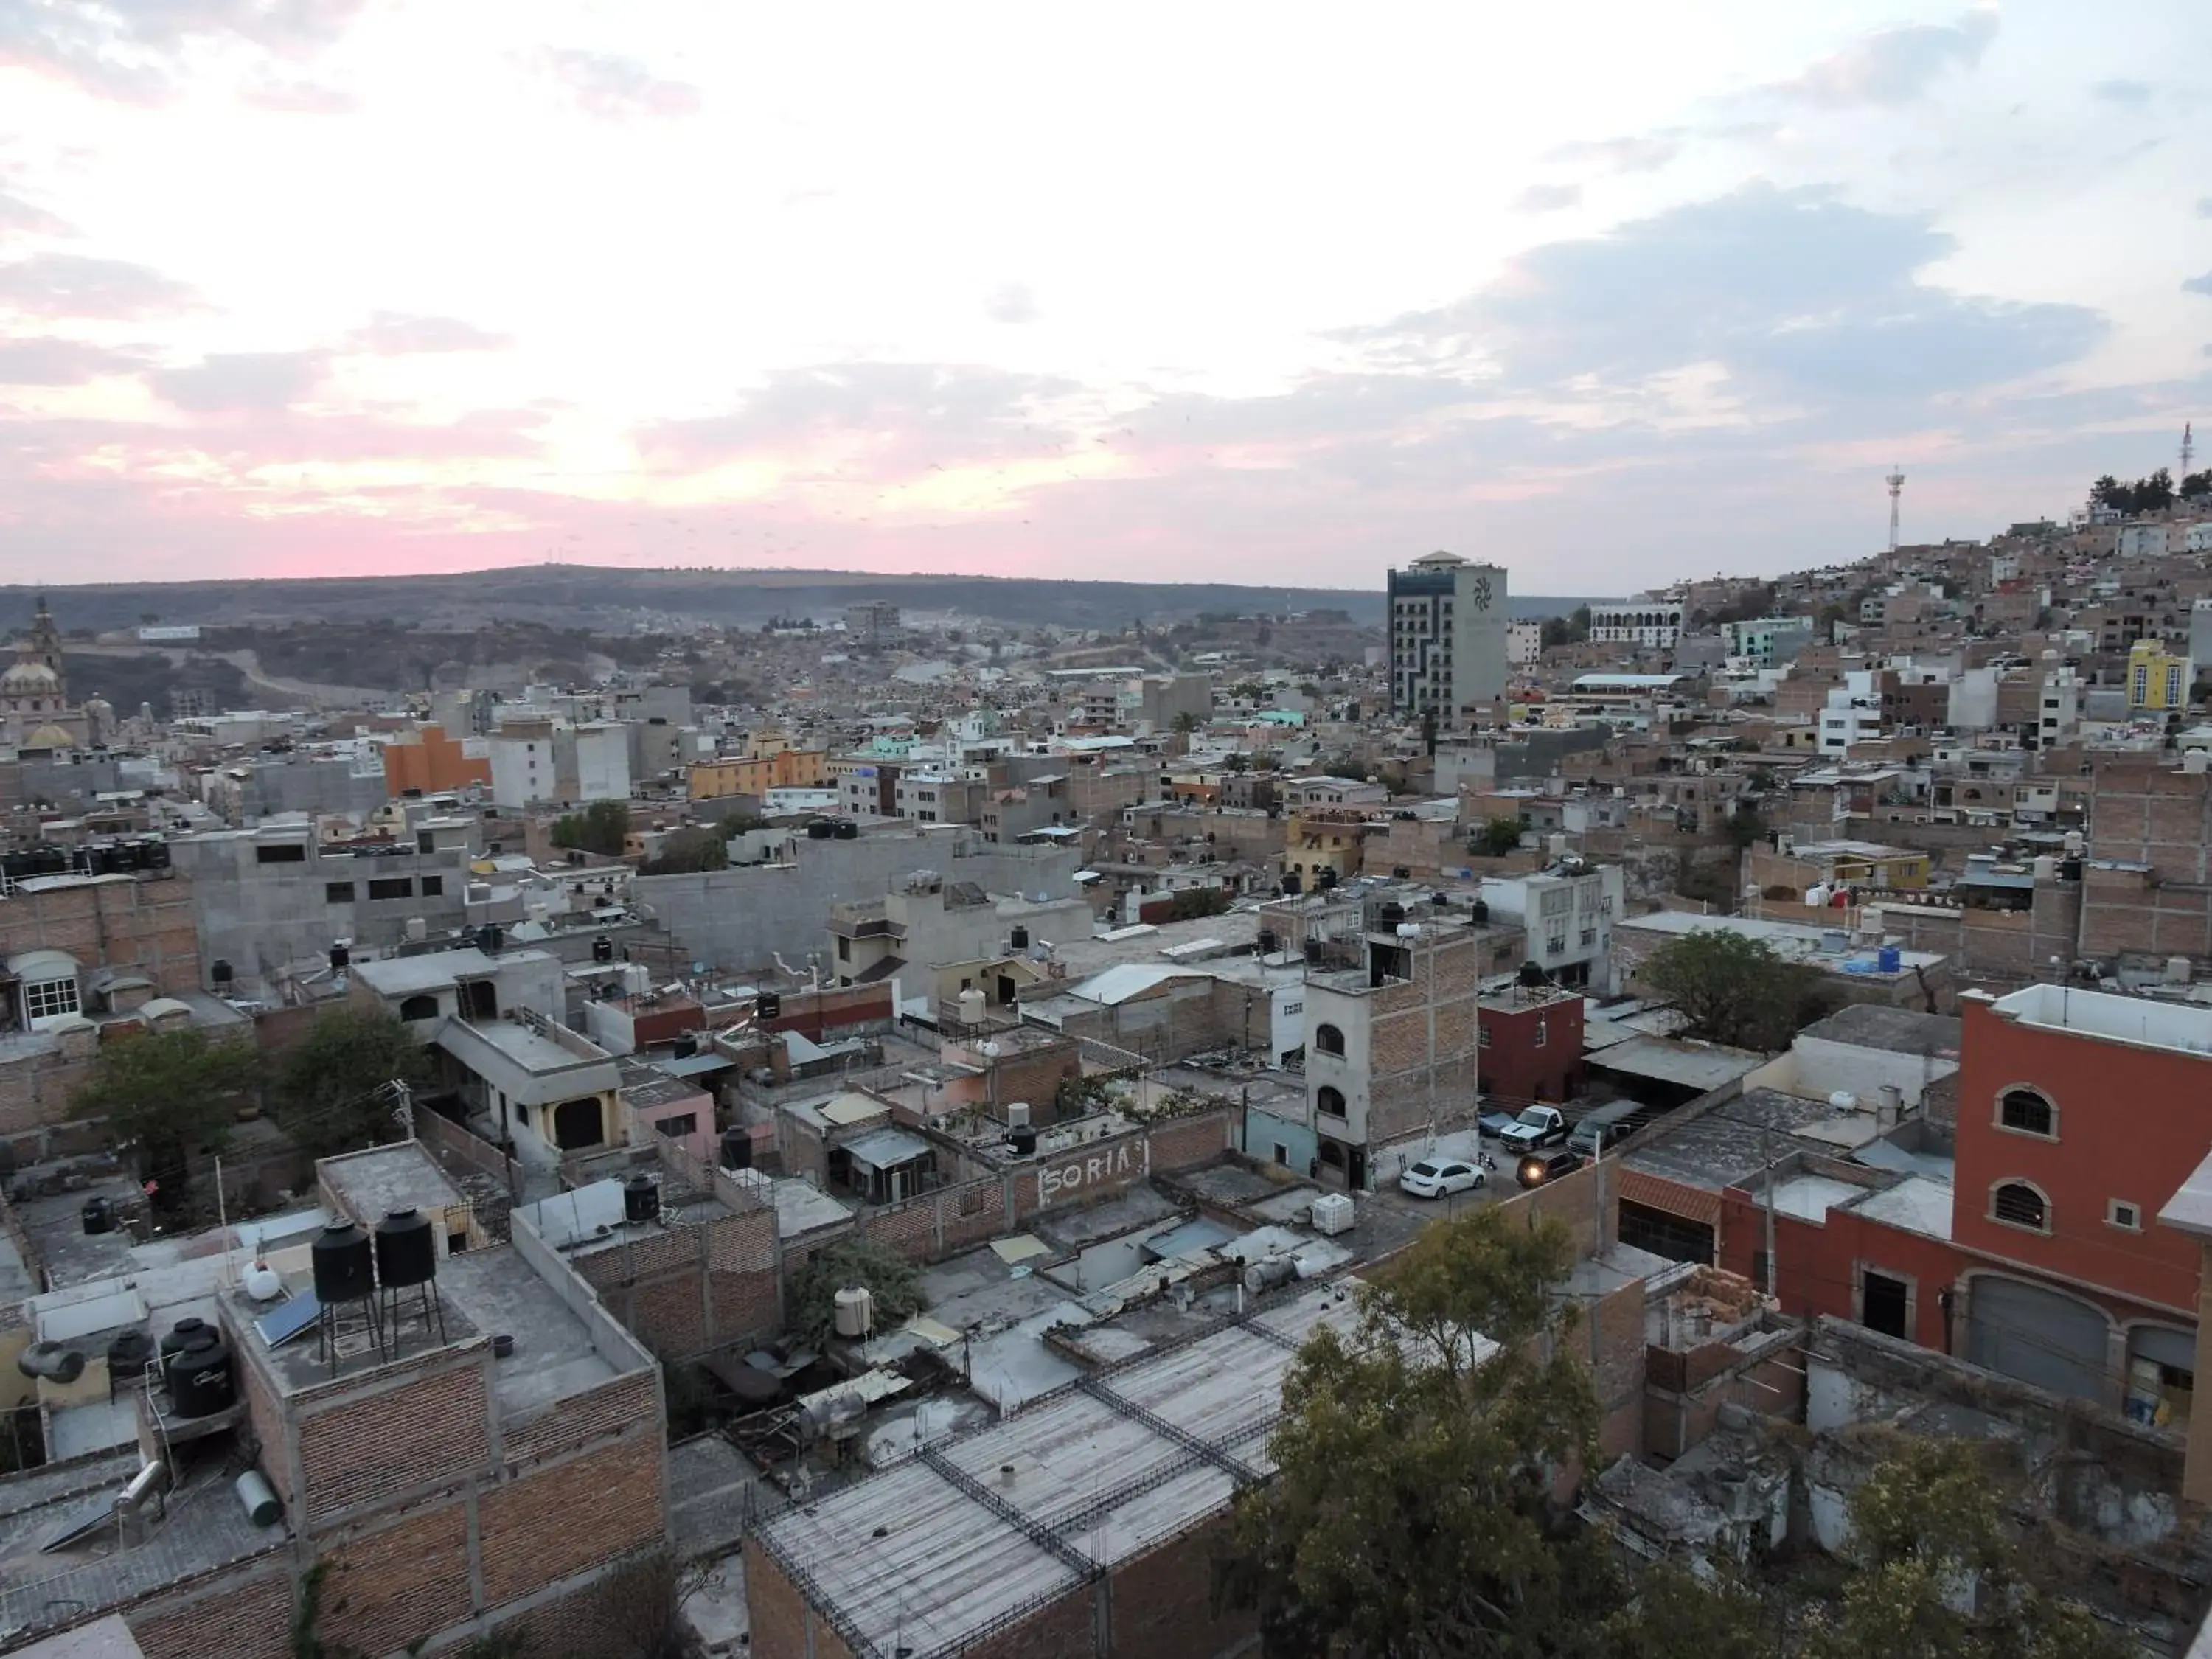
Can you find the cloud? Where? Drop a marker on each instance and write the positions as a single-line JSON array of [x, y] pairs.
[[617, 88], [1795, 294], [876, 418], [74, 285], [263, 381], [1637, 153], [1892, 67], [2198, 284], [1012, 303], [130, 49], [290, 95], [397, 334], [21, 218], [46, 361], [2133, 94], [1548, 198]]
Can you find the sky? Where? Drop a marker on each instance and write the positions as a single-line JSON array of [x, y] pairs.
[[1609, 294]]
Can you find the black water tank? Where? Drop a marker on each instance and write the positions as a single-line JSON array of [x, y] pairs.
[[1389, 915], [201, 1381], [342, 1258], [603, 949], [1292, 885], [1023, 1140], [219, 972], [737, 1150], [820, 829], [487, 938], [129, 1355], [182, 1335], [767, 1005], [1267, 941], [406, 1250], [686, 1046], [640, 1199], [847, 830], [96, 1216], [1019, 939], [340, 957], [1324, 878]]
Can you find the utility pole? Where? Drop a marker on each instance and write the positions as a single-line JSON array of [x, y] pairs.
[[1766, 1150]]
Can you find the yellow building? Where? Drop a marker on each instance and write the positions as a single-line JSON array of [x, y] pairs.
[[2158, 681], [786, 768]]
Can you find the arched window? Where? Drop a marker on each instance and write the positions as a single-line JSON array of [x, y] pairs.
[[1328, 1040], [1330, 1101], [419, 1007], [2029, 1111], [2017, 1204]]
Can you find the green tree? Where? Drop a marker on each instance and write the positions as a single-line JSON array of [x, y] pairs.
[[892, 1281], [600, 828], [739, 824], [686, 852], [1412, 1511], [1942, 1575], [330, 1092], [1744, 826], [1732, 989], [1186, 721], [166, 1094], [1495, 839]]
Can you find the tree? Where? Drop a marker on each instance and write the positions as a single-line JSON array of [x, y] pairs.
[[1186, 721], [2196, 484], [893, 1283], [686, 852], [1412, 1512], [739, 824], [1744, 826], [330, 1092], [1732, 989], [1940, 1573], [1495, 839], [169, 1093], [1429, 732], [601, 827]]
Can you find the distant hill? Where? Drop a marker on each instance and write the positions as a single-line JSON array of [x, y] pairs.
[[609, 601]]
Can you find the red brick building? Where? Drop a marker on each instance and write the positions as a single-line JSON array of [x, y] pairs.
[[1531, 1042]]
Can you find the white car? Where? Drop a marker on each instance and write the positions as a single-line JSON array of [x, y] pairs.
[[1433, 1177]]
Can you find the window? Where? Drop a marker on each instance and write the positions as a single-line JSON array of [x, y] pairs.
[[1543, 1034], [290, 852], [2017, 1204], [1330, 1102], [2027, 1112], [337, 892], [676, 1127], [844, 951], [49, 999], [1482, 1036], [392, 887], [433, 886], [1328, 1040], [2119, 1212]]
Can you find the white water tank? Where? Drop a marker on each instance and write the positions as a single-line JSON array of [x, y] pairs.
[[2195, 761], [1334, 1213], [1557, 844], [418, 929], [971, 1007], [1018, 1115], [855, 1311], [1816, 895], [1890, 1106], [2177, 970], [1843, 1100], [263, 1283], [2076, 846], [2046, 867]]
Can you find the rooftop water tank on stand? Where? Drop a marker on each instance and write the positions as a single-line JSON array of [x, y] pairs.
[[342, 1259], [406, 1248], [971, 1007], [736, 1149], [640, 1199]]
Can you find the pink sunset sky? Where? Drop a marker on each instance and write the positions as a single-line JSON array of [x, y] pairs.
[[1608, 292]]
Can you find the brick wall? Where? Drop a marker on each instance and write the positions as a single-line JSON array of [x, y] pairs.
[[362, 1445], [591, 1509], [384, 1588], [239, 1617], [142, 928], [686, 1290], [1161, 1604]]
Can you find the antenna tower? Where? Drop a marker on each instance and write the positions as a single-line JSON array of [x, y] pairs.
[[1896, 483], [2187, 447]]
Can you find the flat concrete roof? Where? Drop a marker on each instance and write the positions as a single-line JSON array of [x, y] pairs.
[[400, 1177], [1730, 1143], [1691, 1066], [432, 971], [1077, 1481], [1894, 1031]]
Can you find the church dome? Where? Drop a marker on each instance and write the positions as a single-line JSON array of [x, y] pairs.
[[26, 678], [48, 736]]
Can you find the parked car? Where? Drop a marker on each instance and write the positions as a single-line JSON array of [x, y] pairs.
[[1494, 1123], [1538, 1168], [1433, 1177], [1537, 1126], [1606, 1126]]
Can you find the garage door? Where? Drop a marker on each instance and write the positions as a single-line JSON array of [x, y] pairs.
[[2037, 1336]]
